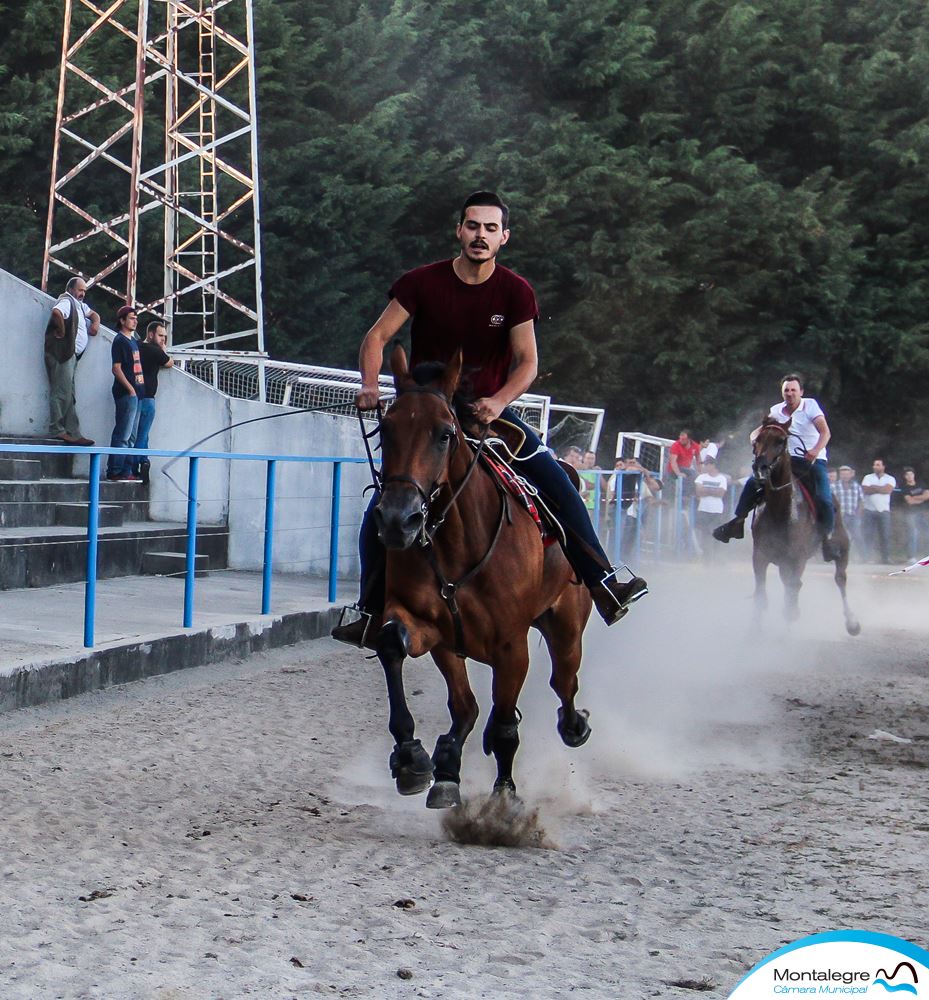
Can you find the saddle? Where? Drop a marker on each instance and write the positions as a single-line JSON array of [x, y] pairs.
[[502, 442]]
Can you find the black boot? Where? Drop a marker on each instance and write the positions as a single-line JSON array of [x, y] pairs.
[[731, 529], [360, 633], [612, 598]]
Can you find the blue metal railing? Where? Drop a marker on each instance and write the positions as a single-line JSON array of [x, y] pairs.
[[193, 458]]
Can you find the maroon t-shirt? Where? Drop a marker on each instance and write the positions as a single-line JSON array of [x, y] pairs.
[[448, 314]]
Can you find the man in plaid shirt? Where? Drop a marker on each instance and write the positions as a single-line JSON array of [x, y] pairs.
[[849, 494]]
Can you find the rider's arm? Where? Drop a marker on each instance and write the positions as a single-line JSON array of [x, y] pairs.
[[672, 461], [371, 355], [824, 435], [522, 374]]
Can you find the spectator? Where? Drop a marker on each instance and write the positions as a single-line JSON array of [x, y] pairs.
[[153, 357], [849, 495], [915, 515], [590, 475], [711, 487], [833, 475], [708, 449], [66, 339], [128, 385], [682, 460], [877, 487]]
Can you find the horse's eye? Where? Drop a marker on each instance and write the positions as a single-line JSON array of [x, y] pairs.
[[446, 435]]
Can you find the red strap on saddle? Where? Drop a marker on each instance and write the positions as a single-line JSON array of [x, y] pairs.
[[516, 489]]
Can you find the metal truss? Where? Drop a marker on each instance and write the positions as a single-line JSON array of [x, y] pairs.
[[197, 163]]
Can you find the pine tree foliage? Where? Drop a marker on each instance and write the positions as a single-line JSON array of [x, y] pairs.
[[704, 195]]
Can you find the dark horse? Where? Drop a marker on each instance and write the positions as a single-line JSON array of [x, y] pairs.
[[784, 530], [467, 575]]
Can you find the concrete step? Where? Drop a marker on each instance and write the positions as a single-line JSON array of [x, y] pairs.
[[76, 514], [52, 464], [14, 467], [43, 556], [32, 503], [173, 564]]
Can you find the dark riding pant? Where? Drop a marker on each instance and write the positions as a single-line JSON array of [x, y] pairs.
[[583, 548], [753, 492]]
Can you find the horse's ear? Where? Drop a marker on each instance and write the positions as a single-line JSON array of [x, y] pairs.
[[452, 374], [399, 366]]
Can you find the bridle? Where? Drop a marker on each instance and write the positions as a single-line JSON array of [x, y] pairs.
[[431, 522], [428, 496], [781, 452]]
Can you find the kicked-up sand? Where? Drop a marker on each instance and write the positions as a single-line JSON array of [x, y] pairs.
[[232, 831]]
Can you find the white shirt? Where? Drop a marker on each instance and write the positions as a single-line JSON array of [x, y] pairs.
[[801, 425], [710, 451], [63, 305], [711, 505], [877, 503]]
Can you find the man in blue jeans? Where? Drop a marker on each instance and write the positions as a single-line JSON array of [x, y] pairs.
[[487, 311], [128, 387], [809, 435], [153, 357]]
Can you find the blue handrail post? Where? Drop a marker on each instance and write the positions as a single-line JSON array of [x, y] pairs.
[[269, 539], [93, 524], [191, 543], [334, 529]]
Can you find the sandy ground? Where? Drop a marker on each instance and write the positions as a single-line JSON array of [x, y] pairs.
[[232, 831]]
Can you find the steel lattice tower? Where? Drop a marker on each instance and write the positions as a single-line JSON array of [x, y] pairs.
[[156, 122]]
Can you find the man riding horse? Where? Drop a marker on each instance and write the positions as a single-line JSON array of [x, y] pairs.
[[809, 434], [473, 304]]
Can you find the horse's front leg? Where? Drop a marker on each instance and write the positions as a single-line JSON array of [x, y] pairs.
[[462, 707], [760, 564], [501, 734], [410, 765], [791, 576]]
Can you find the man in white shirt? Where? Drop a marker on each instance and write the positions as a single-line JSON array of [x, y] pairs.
[[711, 487], [877, 487], [809, 435], [66, 337]]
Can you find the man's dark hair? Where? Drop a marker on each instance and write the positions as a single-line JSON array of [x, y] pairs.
[[485, 198], [72, 283], [793, 377], [909, 468]]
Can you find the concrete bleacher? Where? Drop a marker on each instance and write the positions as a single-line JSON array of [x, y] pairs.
[[43, 510]]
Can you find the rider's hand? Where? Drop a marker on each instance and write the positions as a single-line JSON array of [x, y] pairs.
[[487, 409], [367, 398]]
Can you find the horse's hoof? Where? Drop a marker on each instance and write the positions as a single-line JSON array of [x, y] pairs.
[[411, 766], [579, 734], [853, 626], [443, 795]]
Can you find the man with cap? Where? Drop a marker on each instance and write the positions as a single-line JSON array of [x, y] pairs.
[[849, 495], [128, 386]]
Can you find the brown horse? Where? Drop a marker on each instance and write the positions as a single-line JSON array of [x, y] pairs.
[[467, 575], [784, 529]]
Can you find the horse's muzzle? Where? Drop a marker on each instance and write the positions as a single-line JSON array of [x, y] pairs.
[[399, 519]]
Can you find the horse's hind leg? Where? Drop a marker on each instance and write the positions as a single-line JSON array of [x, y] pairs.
[[852, 625], [462, 707], [760, 564], [501, 734], [410, 765], [562, 627]]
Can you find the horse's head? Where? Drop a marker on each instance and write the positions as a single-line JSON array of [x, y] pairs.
[[770, 448], [419, 435]]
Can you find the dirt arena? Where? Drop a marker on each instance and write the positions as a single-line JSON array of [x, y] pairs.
[[232, 831]]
